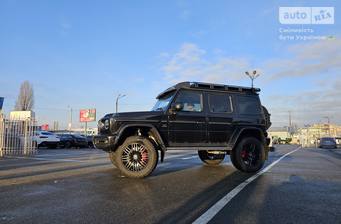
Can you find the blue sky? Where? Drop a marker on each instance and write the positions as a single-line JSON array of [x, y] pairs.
[[83, 53]]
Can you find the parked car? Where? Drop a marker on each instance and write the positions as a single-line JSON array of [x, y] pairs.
[[46, 139], [215, 120], [328, 143], [89, 138], [73, 140]]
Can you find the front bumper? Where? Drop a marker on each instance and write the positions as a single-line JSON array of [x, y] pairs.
[[328, 146], [104, 142]]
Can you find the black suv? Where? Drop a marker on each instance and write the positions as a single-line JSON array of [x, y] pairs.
[[216, 120]]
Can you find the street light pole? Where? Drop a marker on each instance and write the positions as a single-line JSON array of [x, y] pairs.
[[117, 98], [328, 119], [252, 76], [70, 119]]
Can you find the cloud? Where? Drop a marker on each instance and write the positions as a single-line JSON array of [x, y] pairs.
[[191, 63], [308, 106], [306, 60], [321, 59]]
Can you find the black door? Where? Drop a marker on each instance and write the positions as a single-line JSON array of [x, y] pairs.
[[220, 118], [187, 127]]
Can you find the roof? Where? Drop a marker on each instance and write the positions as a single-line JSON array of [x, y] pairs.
[[209, 86]]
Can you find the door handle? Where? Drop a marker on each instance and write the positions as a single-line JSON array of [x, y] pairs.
[[164, 125]]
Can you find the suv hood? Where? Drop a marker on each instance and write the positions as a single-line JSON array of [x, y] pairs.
[[141, 115]]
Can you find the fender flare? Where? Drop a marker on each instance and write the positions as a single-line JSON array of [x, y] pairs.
[[153, 129], [237, 133]]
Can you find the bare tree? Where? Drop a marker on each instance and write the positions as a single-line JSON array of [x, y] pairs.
[[25, 99]]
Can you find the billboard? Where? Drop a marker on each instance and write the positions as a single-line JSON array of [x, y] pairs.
[[45, 127], [87, 115], [21, 115], [1, 102]]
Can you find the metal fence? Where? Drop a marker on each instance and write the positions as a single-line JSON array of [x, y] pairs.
[[17, 137]]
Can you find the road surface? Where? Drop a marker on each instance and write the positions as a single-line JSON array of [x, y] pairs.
[[82, 186]]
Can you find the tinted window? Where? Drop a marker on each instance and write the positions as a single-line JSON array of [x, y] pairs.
[[191, 100], [327, 140], [65, 136], [248, 105], [46, 133], [219, 103]]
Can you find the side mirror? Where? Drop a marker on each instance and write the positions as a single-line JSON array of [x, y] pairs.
[[178, 106]]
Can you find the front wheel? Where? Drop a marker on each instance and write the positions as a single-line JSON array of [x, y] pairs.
[[136, 157], [249, 155], [210, 158], [112, 157]]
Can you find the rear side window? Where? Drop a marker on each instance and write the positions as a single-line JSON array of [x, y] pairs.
[[248, 105], [219, 103]]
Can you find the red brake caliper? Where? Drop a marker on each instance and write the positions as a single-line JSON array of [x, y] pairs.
[[144, 156], [243, 154]]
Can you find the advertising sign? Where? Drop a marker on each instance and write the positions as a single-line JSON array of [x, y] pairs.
[[45, 127], [87, 115]]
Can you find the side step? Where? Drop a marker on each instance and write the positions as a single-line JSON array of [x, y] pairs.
[[196, 148]]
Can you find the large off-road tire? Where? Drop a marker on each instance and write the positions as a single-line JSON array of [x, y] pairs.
[[210, 159], [249, 155], [136, 157], [267, 117], [233, 159], [112, 157]]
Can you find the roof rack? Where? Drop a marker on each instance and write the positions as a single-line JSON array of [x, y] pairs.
[[202, 85], [209, 86]]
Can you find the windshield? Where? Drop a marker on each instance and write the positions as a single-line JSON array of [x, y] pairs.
[[163, 102]]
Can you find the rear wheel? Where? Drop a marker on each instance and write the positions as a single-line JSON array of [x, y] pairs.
[[136, 157], [249, 155], [234, 161], [210, 158]]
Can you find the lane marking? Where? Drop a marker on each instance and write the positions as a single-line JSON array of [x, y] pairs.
[[211, 212]]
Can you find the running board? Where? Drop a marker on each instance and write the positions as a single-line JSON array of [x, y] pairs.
[[196, 148]]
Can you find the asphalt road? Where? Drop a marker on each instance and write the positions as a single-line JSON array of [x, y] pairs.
[[81, 186]]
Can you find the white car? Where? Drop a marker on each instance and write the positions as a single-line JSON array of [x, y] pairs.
[[46, 139]]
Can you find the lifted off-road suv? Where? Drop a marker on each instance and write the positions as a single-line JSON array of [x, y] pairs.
[[215, 120]]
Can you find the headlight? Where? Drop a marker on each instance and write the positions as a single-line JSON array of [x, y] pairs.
[[106, 124]]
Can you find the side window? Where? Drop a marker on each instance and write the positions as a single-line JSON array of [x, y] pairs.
[[219, 103], [248, 105], [191, 100], [46, 133]]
